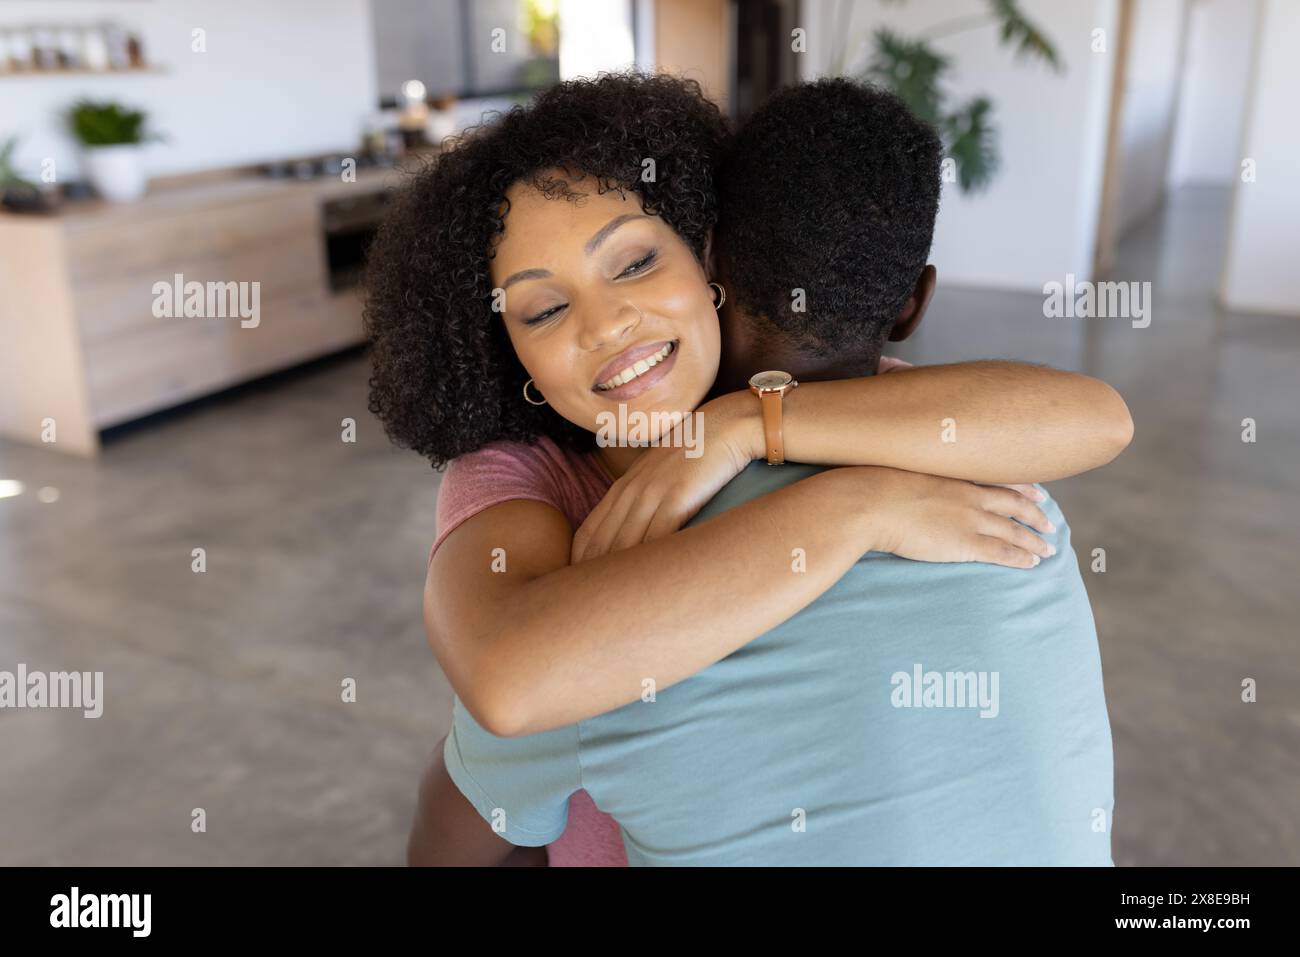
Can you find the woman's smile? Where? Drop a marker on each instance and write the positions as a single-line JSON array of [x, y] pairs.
[[636, 370]]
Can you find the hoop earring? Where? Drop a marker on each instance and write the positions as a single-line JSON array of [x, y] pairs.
[[528, 400], [721, 297]]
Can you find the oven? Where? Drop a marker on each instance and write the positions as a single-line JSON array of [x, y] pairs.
[[349, 224]]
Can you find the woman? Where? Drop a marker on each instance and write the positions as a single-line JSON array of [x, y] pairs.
[[512, 291]]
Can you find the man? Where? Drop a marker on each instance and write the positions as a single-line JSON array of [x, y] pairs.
[[916, 713]]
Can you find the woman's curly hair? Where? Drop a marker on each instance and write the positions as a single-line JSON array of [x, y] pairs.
[[445, 379]]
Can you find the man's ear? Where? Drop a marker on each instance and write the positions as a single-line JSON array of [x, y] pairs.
[[913, 311]]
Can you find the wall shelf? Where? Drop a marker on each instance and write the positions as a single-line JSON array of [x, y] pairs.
[[80, 71]]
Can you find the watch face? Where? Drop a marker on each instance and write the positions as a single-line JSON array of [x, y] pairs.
[[771, 380]]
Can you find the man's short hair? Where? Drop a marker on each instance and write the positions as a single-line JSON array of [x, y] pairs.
[[831, 188]]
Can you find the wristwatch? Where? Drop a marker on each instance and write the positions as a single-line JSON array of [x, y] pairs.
[[771, 387]]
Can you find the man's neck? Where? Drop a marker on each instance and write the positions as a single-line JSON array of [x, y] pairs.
[[836, 367], [734, 375], [748, 349]]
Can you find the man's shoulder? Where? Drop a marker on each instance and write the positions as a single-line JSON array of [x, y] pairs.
[[754, 481]]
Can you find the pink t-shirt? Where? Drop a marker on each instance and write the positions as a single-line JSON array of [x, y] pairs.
[[574, 483]]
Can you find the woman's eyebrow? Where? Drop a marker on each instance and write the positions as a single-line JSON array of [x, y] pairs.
[[593, 244], [525, 274], [604, 232]]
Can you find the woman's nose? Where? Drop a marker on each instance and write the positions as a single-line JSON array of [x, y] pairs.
[[608, 322]]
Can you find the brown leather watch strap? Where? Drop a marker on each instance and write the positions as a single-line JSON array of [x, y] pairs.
[[772, 433]]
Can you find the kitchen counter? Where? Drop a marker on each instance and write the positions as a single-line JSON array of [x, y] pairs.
[[91, 342], [206, 190]]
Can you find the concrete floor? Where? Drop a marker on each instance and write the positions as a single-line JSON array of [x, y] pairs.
[[223, 689]]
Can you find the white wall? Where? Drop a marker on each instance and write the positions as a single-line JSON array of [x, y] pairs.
[[1146, 131], [1216, 80], [1261, 273], [602, 43], [282, 78], [1038, 219]]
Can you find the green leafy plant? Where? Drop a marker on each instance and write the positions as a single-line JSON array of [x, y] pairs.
[[1018, 31], [9, 178], [107, 124], [917, 72], [17, 194]]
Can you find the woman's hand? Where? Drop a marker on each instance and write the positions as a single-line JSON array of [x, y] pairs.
[[921, 517], [664, 488], [931, 519]]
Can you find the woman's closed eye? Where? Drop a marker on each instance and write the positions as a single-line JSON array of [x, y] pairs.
[[634, 269], [543, 316], [641, 265]]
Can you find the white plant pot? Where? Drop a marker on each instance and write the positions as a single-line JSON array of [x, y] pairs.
[[115, 172], [442, 124]]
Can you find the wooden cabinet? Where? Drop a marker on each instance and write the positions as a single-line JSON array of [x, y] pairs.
[[82, 343]]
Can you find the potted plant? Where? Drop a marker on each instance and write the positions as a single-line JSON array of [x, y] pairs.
[[111, 135], [915, 70], [16, 193]]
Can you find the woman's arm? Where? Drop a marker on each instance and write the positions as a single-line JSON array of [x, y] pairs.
[[533, 643], [990, 422]]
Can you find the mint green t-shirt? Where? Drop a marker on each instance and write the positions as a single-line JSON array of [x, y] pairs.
[[915, 714]]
